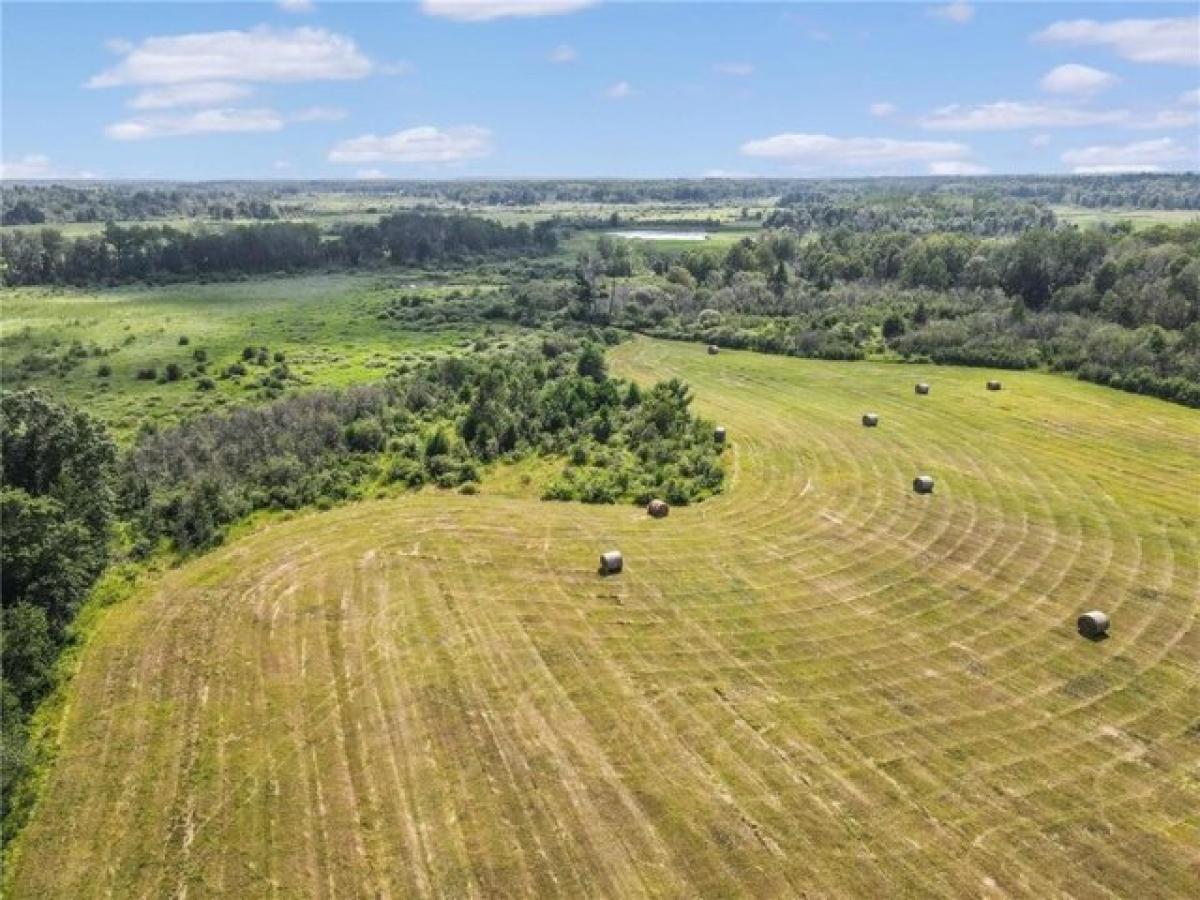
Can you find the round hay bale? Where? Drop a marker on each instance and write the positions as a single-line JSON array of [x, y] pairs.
[[1093, 624], [713, 349], [658, 509], [719, 434], [922, 388], [611, 562], [923, 484], [870, 420], [993, 385]]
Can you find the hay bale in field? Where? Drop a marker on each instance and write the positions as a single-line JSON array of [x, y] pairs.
[[719, 434], [993, 385], [611, 562], [922, 388], [713, 349], [658, 509], [1093, 625], [870, 420], [923, 484]]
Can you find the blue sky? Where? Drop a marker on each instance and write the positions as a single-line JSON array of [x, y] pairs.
[[459, 88]]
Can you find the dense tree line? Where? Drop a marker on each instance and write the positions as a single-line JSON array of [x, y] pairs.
[[436, 425], [140, 252], [37, 203], [914, 212], [57, 506]]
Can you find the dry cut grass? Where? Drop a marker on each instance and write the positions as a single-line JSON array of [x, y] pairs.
[[818, 684]]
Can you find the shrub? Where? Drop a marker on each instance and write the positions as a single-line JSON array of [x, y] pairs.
[[184, 340], [148, 373], [103, 370]]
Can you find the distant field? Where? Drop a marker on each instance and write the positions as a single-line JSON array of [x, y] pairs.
[[818, 684], [324, 325], [1141, 218]]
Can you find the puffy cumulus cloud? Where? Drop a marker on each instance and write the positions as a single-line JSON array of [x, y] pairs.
[[1012, 115], [1073, 78], [1141, 156], [882, 109], [37, 165], [486, 10], [959, 13], [825, 152], [424, 144], [957, 167], [1173, 41], [618, 90], [259, 54], [563, 53], [200, 93], [735, 69], [205, 121]]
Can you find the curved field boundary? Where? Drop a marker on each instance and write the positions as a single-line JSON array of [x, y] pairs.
[[818, 683]]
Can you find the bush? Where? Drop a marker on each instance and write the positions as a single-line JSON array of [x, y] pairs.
[[184, 340], [103, 370], [147, 374], [173, 372], [205, 384]]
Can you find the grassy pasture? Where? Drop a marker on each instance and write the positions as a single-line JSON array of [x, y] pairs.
[[1141, 218], [816, 684], [325, 325]]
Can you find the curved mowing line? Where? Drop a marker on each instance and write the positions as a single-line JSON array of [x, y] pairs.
[[816, 682]]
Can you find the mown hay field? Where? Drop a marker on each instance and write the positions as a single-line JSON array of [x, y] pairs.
[[817, 684]]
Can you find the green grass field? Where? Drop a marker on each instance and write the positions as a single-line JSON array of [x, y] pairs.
[[817, 684], [1141, 218], [325, 325]]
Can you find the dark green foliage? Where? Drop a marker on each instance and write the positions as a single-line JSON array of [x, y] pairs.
[[433, 425], [139, 252], [56, 504]]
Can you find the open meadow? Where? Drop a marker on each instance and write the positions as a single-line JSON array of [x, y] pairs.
[[109, 350], [818, 683]]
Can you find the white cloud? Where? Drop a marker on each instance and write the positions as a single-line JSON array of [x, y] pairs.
[[486, 10], [319, 114], [1040, 140], [1190, 98], [725, 173], [370, 174], [281, 165], [200, 93], [118, 45], [563, 53], [416, 145], [1168, 119], [260, 54], [957, 167], [822, 151], [37, 165], [1010, 115], [1073, 78], [1142, 156], [618, 90], [296, 6], [1171, 41], [960, 12], [204, 121], [735, 69], [820, 35], [882, 109]]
